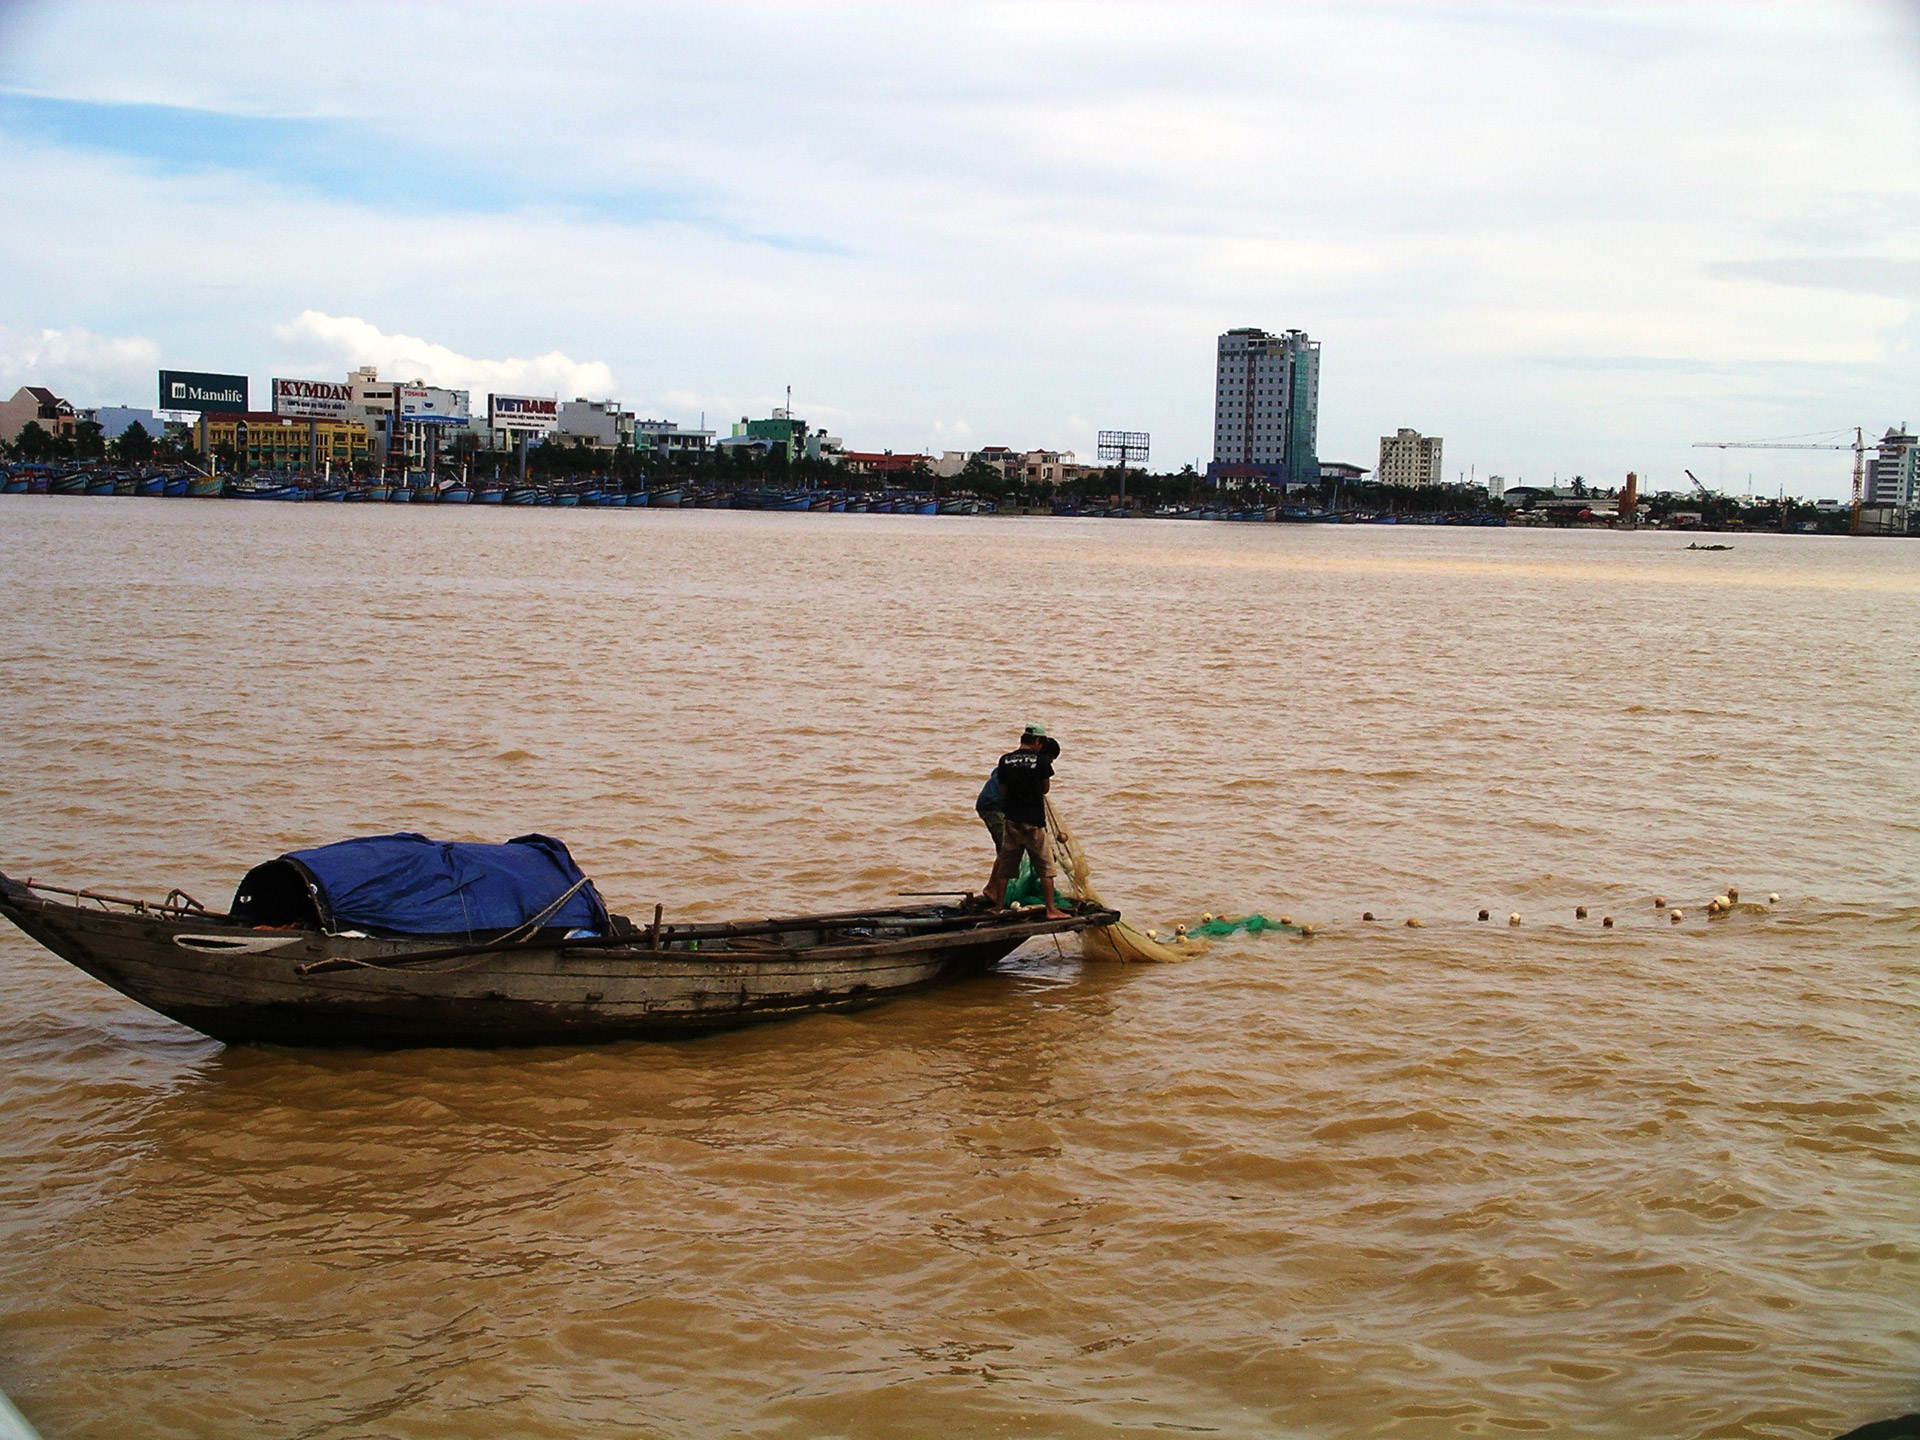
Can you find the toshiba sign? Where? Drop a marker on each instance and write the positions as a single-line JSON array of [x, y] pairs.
[[529, 414], [311, 399]]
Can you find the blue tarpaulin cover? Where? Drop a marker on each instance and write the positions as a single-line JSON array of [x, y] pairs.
[[410, 885]]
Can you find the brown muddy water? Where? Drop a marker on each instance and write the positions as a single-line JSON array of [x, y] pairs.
[[1461, 1179]]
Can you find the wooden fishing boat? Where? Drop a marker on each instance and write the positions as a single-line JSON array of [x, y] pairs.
[[296, 960]]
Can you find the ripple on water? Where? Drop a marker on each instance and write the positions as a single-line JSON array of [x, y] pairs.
[[1463, 1179]]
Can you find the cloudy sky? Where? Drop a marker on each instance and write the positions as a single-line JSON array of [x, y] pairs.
[[1566, 238]]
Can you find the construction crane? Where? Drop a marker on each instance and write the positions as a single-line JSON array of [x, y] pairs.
[[1705, 494], [1859, 448]]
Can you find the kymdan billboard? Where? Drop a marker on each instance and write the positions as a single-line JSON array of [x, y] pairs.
[[311, 399], [529, 414], [209, 394]]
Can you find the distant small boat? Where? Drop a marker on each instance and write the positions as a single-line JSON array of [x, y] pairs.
[[490, 495]]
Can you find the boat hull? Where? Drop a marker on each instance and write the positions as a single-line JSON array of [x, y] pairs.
[[247, 986]]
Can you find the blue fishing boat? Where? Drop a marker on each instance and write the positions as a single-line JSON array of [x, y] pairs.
[[400, 495], [567, 498], [662, 500], [456, 495], [152, 485], [490, 495], [100, 485], [619, 500], [523, 495], [263, 490], [176, 487], [16, 485], [206, 487], [68, 485], [334, 494], [376, 492]]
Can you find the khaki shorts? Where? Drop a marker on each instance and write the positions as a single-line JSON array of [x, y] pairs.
[[1031, 840]]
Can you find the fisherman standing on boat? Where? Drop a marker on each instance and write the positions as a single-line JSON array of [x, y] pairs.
[[1024, 777]]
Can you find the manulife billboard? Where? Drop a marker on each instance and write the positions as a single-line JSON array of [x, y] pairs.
[[209, 394]]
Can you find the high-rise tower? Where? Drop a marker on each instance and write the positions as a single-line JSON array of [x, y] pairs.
[[1266, 403]]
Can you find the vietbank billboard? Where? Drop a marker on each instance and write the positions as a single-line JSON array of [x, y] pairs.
[[209, 394]]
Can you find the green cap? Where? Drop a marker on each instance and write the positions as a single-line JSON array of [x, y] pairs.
[[1037, 732]]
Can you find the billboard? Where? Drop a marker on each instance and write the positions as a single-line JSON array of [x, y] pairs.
[[208, 394], [528, 414], [430, 405], [311, 399]]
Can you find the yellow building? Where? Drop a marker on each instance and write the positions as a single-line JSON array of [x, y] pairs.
[[282, 442]]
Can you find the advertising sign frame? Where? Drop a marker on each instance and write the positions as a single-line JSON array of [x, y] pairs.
[[311, 399], [416, 405], [203, 392], [541, 421]]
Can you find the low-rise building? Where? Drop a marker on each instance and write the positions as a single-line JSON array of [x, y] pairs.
[[39, 405], [1054, 467], [266, 441], [780, 430], [115, 420], [598, 424], [1340, 471], [1409, 458], [665, 438], [883, 464]]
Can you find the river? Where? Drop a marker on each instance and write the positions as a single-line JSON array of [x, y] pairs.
[[1460, 1178]]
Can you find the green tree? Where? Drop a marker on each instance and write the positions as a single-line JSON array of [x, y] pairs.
[[89, 441], [33, 443], [134, 445]]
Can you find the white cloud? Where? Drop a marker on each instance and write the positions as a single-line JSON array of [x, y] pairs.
[[80, 366], [354, 342], [1607, 231]]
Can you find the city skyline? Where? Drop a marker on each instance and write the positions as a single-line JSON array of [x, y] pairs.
[[1607, 234]]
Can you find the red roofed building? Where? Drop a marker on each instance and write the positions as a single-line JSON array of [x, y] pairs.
[[38, 404], [882, 462]]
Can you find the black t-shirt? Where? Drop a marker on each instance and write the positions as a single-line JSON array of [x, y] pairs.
[[1021, 773]]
